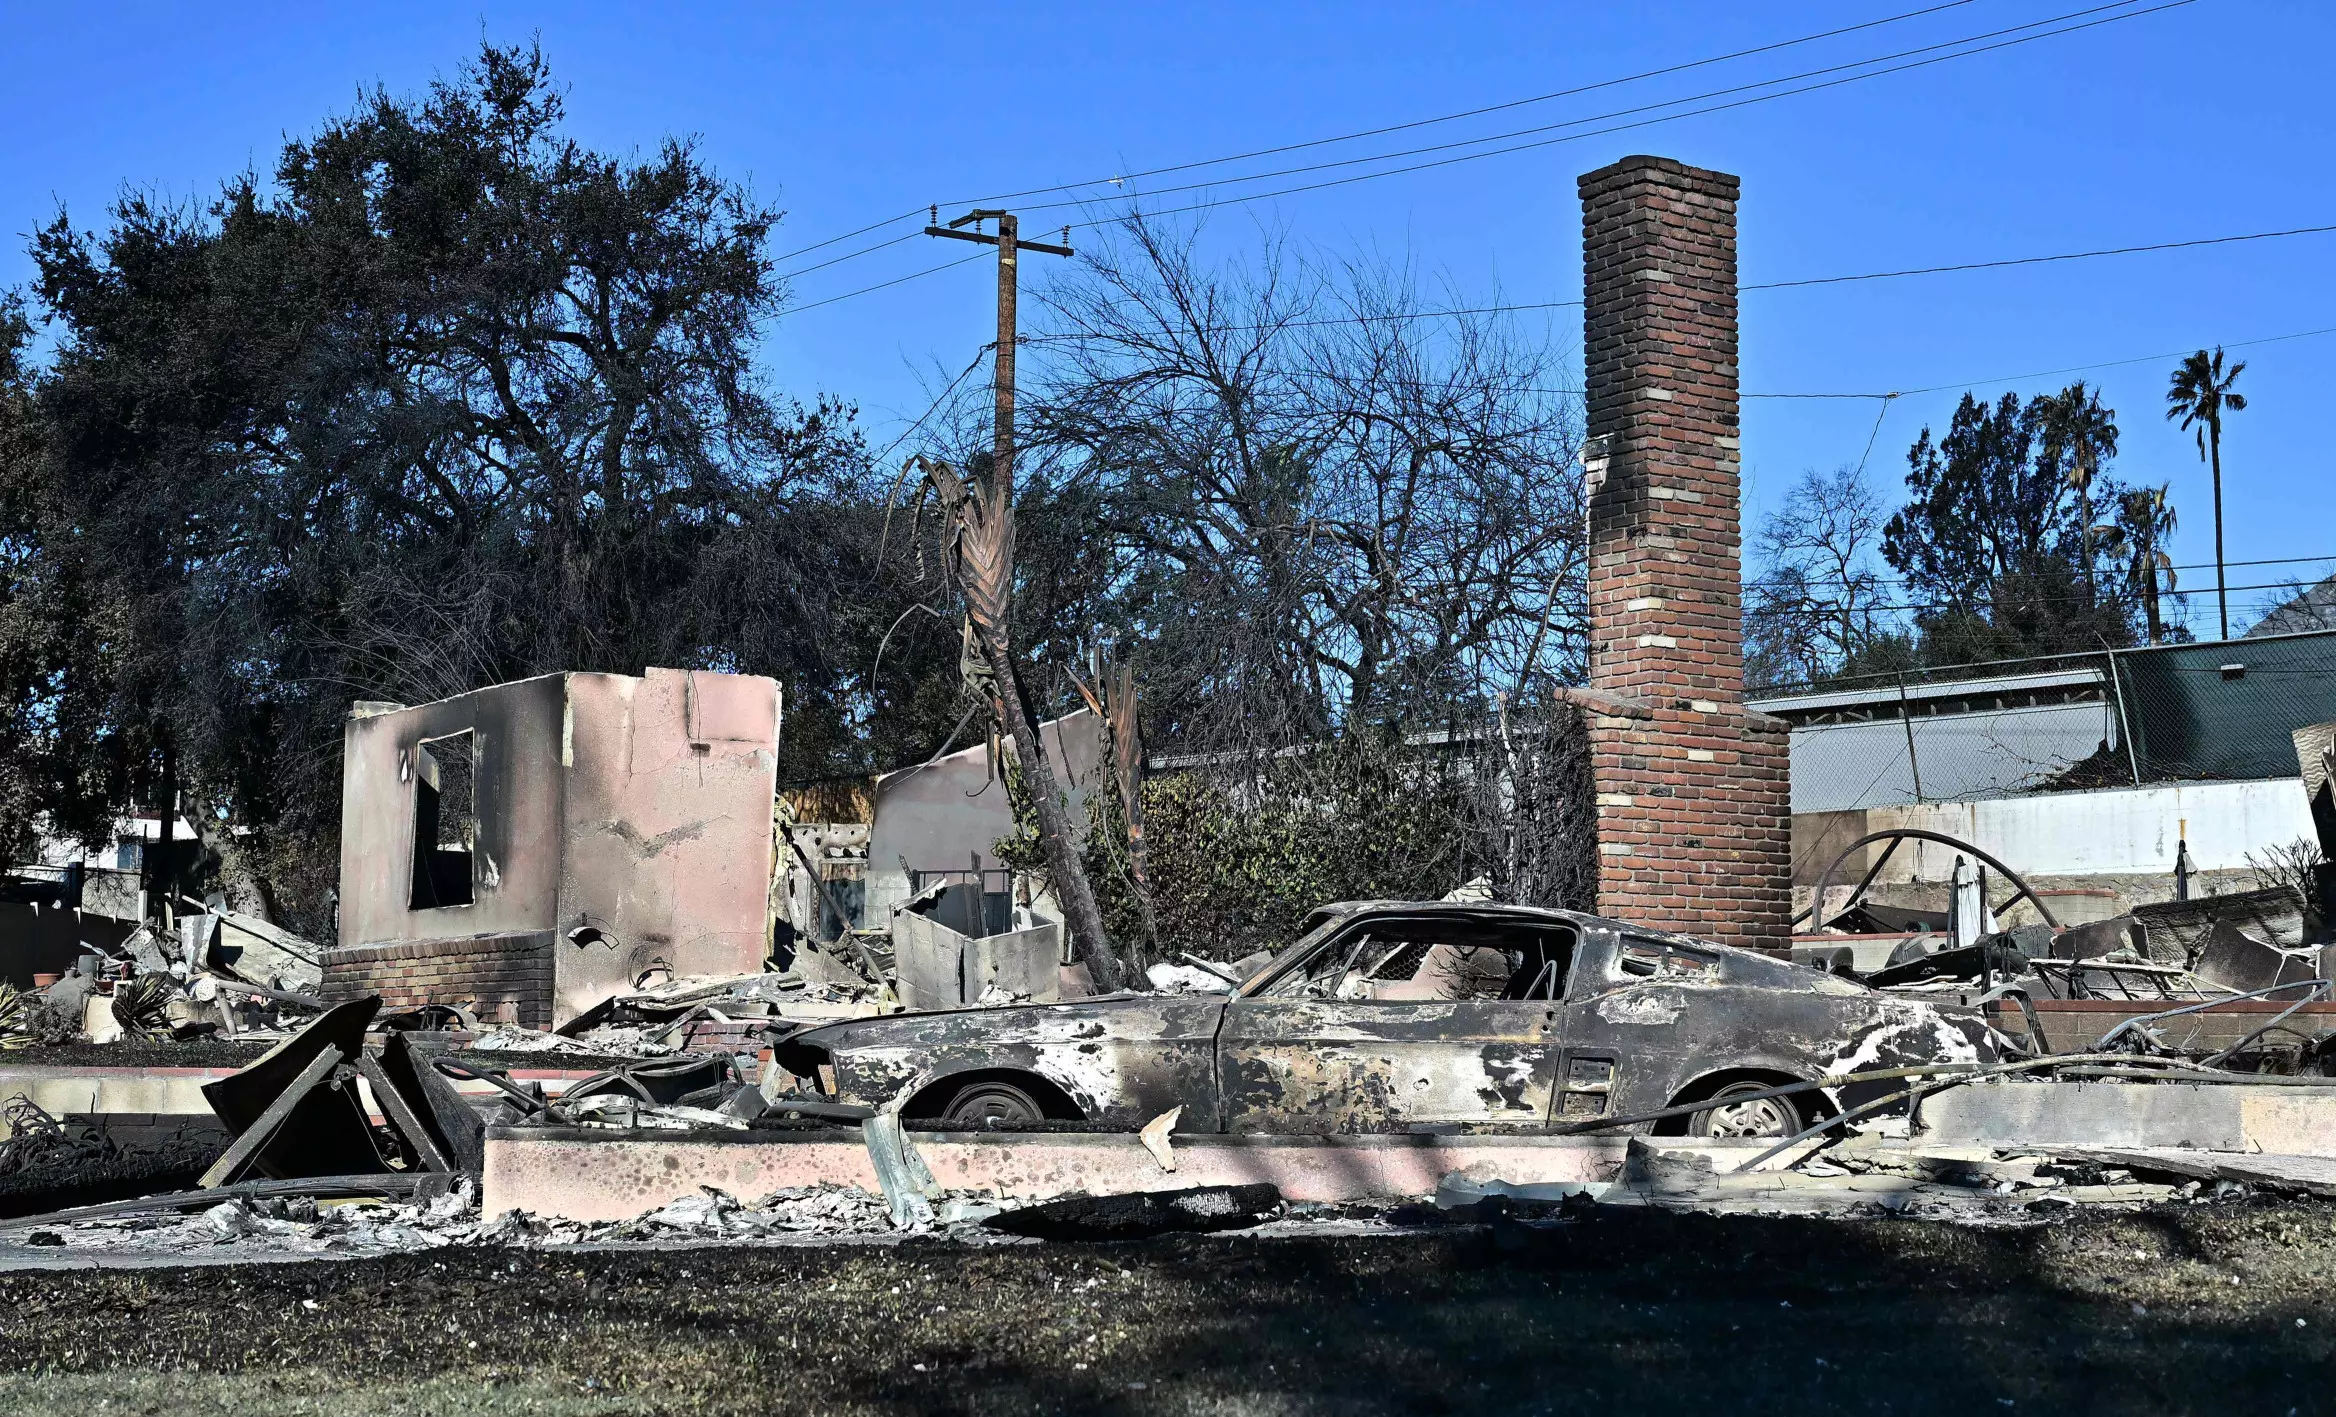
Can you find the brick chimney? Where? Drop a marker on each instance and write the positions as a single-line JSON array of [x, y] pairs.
[[1694, 804]]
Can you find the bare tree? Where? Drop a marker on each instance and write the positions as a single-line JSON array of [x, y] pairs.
[[1816, 596], [1322, 503]]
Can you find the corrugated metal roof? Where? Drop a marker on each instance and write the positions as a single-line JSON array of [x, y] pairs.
[[1931, 691]]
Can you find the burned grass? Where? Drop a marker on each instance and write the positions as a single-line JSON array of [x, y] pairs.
[[2182, 1309]]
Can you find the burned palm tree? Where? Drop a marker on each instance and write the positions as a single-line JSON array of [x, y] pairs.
[[977, 533]]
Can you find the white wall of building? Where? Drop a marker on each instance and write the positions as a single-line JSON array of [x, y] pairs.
[[949, 814], [2112, 832]]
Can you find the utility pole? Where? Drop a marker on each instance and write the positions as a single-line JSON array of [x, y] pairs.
[[1010, 246], [1084, 919]]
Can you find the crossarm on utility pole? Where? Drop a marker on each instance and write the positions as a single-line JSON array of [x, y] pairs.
[[1048, 247]]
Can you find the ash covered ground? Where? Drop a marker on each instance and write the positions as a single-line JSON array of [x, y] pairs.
[[2218, 1307]]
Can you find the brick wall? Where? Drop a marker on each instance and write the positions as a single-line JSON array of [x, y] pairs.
[[1694, 804], [504, 978]]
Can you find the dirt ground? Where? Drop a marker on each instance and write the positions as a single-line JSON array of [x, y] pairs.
[[2219, 1308]]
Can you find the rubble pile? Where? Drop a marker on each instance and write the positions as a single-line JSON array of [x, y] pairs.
[[225, 975], [1869, 1176], [711, 1013], [297, 1225], [44, 1161]]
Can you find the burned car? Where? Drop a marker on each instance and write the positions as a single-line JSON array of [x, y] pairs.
[[1407, 1016]]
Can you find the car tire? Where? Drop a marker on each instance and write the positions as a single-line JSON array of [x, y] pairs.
[[1758, 1119], [992, 1104]]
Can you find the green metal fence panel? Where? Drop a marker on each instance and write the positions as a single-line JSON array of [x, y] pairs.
[[2226, 710]]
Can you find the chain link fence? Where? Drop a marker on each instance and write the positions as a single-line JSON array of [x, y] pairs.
[[2216, 712]]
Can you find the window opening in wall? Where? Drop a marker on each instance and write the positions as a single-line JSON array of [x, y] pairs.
[[446, 821]]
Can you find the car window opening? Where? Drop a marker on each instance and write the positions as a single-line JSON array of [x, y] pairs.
[[1435, 961], [1650, 959]]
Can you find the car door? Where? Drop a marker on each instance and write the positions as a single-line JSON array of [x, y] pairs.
[[1401, 1023], [1622, 1028]]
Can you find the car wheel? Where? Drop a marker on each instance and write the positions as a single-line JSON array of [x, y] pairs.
[[1753, 1119], [993, 1104]]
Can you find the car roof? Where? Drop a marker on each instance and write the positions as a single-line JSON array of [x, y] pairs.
[[1344, 908], [1483, 909]]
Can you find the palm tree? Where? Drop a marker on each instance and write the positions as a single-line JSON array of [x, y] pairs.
[[2145, 522], [2200, 394], [2080, 432]]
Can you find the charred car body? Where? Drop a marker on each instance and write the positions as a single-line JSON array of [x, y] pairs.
[[1408, 1016]]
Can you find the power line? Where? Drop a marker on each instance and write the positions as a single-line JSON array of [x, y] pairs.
[[1998, 264], [938, 400], [2038, 374], [887, 284], [1968, 40], [1329, 320], [1883, 398], [2183, 566], [2114, 363], [846, 256], [1119, 178], [911, 213], [1640, 108], [2041, 260], [2010, 603], [1547, 142], [1642, 123]]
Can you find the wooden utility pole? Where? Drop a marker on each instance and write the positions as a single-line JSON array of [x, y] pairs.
[[1055, 840], [1010, 246]]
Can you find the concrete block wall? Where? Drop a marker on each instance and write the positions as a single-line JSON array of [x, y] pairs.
[[1694, 791]]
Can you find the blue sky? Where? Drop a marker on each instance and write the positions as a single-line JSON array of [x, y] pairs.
[[2204, 120]]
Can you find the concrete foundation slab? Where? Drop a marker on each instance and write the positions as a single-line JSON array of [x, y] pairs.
[[590, 1175], [2192, 1116], [2311, 1175], [92, 1092]]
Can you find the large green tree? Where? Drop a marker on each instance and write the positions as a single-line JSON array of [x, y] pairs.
[[1996, 546], [451, 399]]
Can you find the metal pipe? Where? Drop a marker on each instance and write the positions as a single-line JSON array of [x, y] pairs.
[[2102, 1044], [1913, 759], [452, 1068], [2125, 730], [2284, 1015]]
